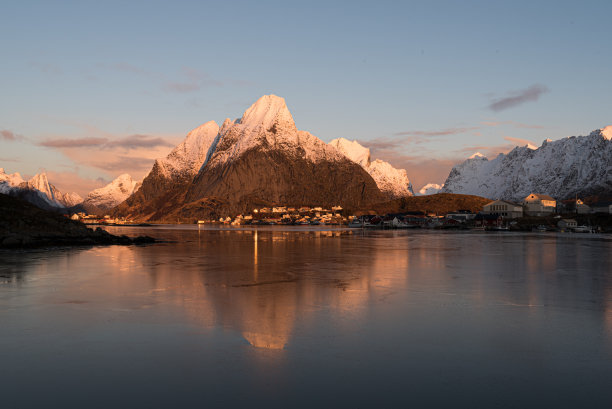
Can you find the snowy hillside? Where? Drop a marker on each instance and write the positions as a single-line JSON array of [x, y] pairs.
[[391, 181], [8, 181], [37, 190], [430, 189], [576, 165], [110, 195], [186, 159]]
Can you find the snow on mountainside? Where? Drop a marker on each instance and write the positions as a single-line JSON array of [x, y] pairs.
[[391, 181], [261, 158], [8, 181], [576, 165], [267, 124], [52, 195], [110, 195], [430, 189], [37, 190], [186, 159]]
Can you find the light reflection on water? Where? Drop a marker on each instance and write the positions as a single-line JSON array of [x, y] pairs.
[[313, 317]]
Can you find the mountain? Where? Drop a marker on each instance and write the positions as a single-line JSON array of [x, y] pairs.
[[259, 159], [430, 189], [9, 181], [394, 183], [576, 165], [37, 191], [105, 198]]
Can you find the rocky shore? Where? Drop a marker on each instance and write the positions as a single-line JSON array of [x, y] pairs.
[[25, 225]]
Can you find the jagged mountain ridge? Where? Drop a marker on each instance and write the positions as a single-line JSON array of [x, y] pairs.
[[37, 190], [394, 183], [261, 158], [577, 165]]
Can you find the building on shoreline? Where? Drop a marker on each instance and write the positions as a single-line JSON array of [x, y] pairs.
[[503, 208]]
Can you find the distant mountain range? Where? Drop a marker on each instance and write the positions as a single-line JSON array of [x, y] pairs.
[[577, 165], [37, 190], [262, 159]]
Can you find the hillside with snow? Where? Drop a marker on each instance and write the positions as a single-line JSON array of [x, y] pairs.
[[576, 165], [259, 159], [391, 181], [37, 190], [430, 189], [105, 198]]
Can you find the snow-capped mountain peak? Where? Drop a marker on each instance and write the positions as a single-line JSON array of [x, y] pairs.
[[267, 112], [477, 155], [8, 181], [430, 189], [186, 158], [41, 183], [353, 150], [109, 196], [37, 190], [577, 165], [391, 181], [606, 132]]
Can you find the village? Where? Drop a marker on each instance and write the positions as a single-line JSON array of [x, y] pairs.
[[536, 212]]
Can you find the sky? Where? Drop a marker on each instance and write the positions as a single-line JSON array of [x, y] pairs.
[[91, 89]]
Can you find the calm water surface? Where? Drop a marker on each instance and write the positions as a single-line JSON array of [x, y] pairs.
[[290, 318]]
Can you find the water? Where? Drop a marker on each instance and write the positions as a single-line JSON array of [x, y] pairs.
[[288, 317]]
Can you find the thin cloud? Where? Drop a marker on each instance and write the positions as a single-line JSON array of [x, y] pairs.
[[519, 141], [8, 135], [138, 141], [512, 123], [441, 132], [128, 164], [193, 80], [487, 150], [10, 160], [518, 97], [129, 142], [380, 144], [74, 143]]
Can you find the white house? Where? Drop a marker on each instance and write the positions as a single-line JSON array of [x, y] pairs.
[[503, 208], [539, 205]]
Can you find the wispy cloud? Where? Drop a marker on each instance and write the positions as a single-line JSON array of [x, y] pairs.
[[71, 181], [440, 132], [46, 68], [128, 142], [139, 141], [519, 141], [74, 143], [191, 80], [8, 135], [516, 98], [10, 160], [188, 79], [490, 151], [512, 123]]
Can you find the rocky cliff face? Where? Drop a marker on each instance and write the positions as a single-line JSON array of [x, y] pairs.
[[262, 158], [394, 183], [577, 165]]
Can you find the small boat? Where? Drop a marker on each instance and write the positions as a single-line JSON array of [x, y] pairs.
[[356, 222], [582, 229]]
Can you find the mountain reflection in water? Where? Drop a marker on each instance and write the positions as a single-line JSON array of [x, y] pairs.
[[313, 317]]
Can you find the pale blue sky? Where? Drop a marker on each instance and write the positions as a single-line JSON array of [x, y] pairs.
[[416, 80]]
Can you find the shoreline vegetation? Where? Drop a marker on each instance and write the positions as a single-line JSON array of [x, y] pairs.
[[23, 225]]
